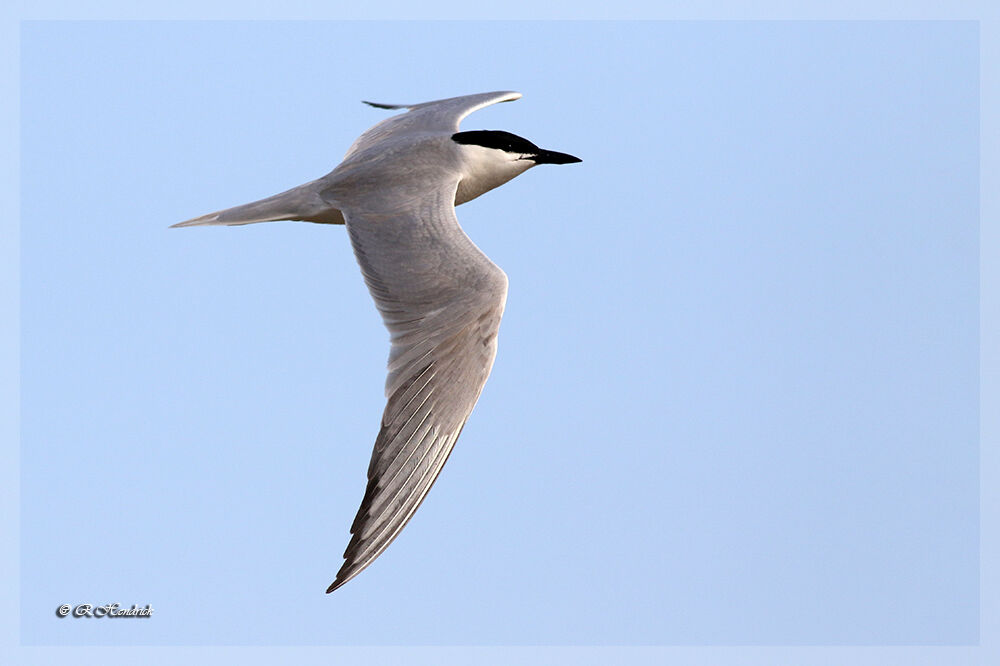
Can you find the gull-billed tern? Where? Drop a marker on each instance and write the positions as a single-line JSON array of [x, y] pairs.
[[440, 297]]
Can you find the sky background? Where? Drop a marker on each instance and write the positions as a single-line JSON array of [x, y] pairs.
[[736, 395]]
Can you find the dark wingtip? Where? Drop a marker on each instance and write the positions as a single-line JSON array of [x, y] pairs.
[[347, 570], [345, 574], [377, 105]]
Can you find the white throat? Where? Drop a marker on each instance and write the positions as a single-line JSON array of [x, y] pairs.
[[486, 168]]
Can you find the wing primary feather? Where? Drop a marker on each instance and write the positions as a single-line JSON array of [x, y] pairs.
[[391, 524], [351, 569], [379, 105], [362, 551]]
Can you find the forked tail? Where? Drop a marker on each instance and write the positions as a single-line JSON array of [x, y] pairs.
[[299, 203]]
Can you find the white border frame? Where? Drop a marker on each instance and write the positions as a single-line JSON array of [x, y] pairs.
[[986, 13]]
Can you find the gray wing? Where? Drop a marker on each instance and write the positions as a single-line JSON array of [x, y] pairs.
[[443, 115], [441, 299]]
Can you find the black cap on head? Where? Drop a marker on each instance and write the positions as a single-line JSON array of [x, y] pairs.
[[512, 143], [498, 139]]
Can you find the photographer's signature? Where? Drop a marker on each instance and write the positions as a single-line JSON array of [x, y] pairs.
[[108, 610]]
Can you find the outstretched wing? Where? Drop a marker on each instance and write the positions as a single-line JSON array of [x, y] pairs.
[[443, 115], [441, 299]]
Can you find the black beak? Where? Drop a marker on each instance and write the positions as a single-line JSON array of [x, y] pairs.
[[552, 157]]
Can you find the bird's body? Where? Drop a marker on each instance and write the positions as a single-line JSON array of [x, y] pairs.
[[440, 297]]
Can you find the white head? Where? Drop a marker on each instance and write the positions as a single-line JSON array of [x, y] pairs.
[[493, 157]]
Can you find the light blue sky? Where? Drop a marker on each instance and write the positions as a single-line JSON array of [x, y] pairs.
[[758, 425]]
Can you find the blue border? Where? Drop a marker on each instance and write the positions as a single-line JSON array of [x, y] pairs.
[[988, 15]]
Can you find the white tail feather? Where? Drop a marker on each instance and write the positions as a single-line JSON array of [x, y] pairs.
[[299, 203]]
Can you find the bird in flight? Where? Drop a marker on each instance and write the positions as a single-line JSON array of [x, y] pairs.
[[440, 297]]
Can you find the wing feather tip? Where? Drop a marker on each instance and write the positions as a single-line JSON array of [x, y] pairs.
[[501, 96], [339, 582], [348, 570], [379, 105]]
